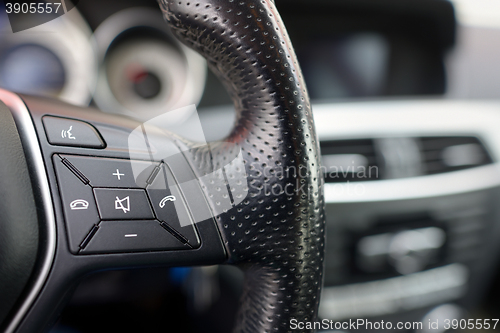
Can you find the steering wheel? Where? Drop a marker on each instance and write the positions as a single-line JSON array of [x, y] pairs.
[[59, 161]]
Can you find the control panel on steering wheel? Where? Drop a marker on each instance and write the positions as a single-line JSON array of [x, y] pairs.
[[108, 211]]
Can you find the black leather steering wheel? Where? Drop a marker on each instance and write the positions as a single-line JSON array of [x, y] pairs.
[[276, 234]]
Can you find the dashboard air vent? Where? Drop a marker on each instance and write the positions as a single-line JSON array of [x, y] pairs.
[[445, 154], [399, 157], [349, 160]]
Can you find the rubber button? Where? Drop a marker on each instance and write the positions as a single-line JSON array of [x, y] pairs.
[[131, 236], [121, 204], [80, 210], [169, 206], [113, 172], [71, 132]]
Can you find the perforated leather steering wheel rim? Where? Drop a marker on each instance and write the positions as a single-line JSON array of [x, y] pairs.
[[247, 47]]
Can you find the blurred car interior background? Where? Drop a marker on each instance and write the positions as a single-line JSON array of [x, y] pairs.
[[406, 102]]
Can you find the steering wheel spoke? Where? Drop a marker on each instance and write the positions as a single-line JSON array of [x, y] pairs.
[[101, 209]]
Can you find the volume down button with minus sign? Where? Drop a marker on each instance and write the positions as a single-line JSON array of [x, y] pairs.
[[132, 236]]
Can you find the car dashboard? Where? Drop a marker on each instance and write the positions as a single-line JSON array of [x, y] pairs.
[[406, 106]]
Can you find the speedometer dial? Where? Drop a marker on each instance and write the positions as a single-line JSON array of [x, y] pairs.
[[145, 74], [56, 59], [32, 69], [144, 70]]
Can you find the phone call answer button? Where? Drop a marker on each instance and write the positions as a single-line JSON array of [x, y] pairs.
[[170, 208]]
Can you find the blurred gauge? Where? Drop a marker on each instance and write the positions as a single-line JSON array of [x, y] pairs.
[[145, 74], [32, 69], [144, 70], [55, 59]]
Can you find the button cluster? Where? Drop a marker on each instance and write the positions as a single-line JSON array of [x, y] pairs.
[[117, 205]]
